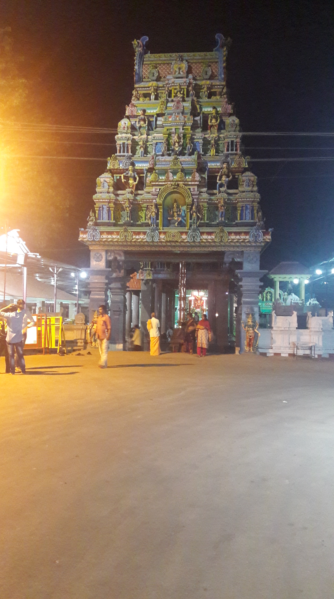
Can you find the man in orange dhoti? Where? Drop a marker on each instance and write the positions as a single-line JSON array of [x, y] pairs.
[[153, 327]]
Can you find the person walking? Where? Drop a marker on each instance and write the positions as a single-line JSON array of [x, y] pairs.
[[153, 327], [103, 332], [203, 330], [17, 325]]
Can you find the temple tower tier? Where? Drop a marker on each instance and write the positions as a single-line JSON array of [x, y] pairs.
[[177, 223]]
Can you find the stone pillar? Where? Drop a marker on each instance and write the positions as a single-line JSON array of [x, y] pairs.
[[98, 286], [212, 306], [135, 307], [146, 309], [302, 290], [221, 314], [250, 287], [117, 315], [276, 289], [163, 321], [128, 318], [157, 299]]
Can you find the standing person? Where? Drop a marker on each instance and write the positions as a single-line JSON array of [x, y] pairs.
[[203, 333], [103, 332], [136, 339], [27, 323], [190, 335], [16, 328], [153, 327]]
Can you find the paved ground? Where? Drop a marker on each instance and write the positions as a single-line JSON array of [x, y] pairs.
[[167, 478]]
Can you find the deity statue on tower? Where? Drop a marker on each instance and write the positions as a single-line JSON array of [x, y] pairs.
[[224, 177], [214, 120], [130, 179], [142, 122], [152, 215], [221, 210]]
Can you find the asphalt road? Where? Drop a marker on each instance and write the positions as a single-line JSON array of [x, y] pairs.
[[167, 478]]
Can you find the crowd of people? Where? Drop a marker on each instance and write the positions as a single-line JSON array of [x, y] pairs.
[[15, 320]]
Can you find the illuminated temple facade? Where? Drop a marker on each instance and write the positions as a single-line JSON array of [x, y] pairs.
[[177, 223]]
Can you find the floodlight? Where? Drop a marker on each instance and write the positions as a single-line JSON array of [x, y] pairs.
[[332, 271], [296, 281], [83, 274], [318, 271], [72, 274], [306, 282]]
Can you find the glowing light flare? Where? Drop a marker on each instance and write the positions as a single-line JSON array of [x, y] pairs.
[[318, 271], [296, 281]]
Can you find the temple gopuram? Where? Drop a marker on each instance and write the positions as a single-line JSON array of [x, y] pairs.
[[177, 224]]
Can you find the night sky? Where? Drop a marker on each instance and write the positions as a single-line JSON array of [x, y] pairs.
[[79, 61]]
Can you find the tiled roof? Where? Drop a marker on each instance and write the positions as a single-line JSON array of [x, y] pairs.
[[290, 268]]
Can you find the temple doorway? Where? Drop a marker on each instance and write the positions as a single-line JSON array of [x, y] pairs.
[[196, 303]]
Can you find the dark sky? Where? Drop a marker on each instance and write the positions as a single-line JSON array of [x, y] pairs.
[[79, 60]]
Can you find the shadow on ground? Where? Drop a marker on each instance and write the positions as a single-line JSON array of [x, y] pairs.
[[147, 365]]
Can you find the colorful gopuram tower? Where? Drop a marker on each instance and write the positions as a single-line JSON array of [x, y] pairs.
[[177, 208]]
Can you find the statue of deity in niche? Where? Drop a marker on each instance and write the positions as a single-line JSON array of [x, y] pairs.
[[135, 96], [189, 147], [177, 144], [91, 220], [221, 210], [213, 139], [142, 122], [142, 146], [223, 177], [124, 126], [214, 120], [194, 215], [251, 327], [179, 67], [131, 110], [176, 215], [130, 178], [204, 93], [152, 215]]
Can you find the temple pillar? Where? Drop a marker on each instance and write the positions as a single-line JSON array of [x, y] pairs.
[[250, 288], [117, 315], [163, 321], [302, 290], [128, 318], [146, 309], [157, 299], [221, 315], [98, 286], [212, 306], [276, 289], [135, 307]]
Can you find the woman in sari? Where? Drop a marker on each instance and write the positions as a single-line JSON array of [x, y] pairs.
[[153, 327], [203, 330]]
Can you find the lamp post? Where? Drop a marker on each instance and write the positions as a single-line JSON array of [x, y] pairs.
[[82, 275], [55, 271]]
